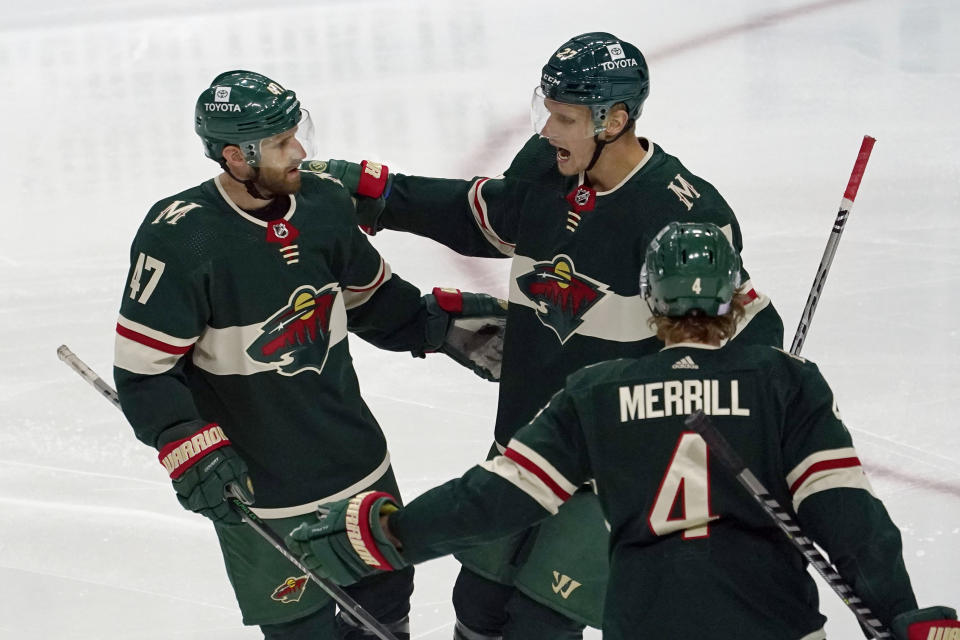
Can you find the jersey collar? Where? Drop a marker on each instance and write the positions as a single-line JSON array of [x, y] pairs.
[[691, 345], [246, 216], [651, 149]]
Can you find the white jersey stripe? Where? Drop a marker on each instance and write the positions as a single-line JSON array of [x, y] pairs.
[[140, 349], [844, 478], [224, 351], [524, 480], [478, 206], [139, 358], [615, 317], [543, 464], [270, 513], [819, 456]]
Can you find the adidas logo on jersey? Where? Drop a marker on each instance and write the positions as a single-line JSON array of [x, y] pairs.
[[686, 362]]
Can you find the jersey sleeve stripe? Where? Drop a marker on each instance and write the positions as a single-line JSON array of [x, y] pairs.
[[529, 460], [479, 208], [151, 342], [828, 469], [842, 478], [819, 456], [356, 296], [140, 349], [819, 467], [525, 480]]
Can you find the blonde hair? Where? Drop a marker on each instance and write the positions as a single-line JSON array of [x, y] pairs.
[[699, 328]]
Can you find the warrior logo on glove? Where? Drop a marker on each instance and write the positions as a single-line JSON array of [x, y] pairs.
[[561, 296], [297, 337]]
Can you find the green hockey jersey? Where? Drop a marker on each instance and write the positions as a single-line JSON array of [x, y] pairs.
[[574, 291], [691, 553], [231, 319]]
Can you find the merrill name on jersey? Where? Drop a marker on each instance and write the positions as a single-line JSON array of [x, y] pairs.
[[677, 398]]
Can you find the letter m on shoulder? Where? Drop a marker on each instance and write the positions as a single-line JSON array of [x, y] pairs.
[[175, 212], [683, 190]]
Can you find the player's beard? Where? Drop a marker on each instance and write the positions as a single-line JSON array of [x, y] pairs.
[[278, 182]]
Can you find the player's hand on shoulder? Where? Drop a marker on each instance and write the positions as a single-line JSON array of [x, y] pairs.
[[348, 542], [368, 182], [469, 328], [202, 464], [922, 624]]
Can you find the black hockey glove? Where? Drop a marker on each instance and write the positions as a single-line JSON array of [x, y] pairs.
[[368, 182], [921, 624], [201, 465], [348, 543], [468, 327]]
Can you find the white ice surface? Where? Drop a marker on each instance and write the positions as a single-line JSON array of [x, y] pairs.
[[768, 99]]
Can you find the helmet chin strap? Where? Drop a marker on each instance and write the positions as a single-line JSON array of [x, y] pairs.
[[249, 184], [600, 144]]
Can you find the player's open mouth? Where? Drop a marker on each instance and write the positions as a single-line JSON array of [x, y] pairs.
[[562, 154]]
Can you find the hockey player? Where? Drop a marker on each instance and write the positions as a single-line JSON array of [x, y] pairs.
[[691, 554], [572, 207], [232, 355]]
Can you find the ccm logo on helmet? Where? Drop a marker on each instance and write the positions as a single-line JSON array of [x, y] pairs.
[[619, 64], [221, 106]]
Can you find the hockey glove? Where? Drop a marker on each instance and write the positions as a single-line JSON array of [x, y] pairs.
[[201, 466], [369, 183], [468, 327], [348, 543], [921, 624]]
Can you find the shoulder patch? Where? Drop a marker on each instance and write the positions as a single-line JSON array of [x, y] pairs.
[[685, 191], [174, 212]]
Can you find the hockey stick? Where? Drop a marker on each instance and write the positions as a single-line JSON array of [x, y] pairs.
[[853, 184], [722, 449], [340, 596]]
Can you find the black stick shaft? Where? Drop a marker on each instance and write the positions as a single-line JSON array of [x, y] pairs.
[[721, 449], [339, 596], [846, 205]]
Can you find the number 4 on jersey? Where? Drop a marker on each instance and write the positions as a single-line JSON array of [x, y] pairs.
[[686, 481], [145, 263]]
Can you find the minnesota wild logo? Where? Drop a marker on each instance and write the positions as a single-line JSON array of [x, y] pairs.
[[297, 337], [561, 295]]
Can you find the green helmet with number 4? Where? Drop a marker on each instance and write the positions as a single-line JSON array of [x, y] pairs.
[[690, 268], [596, 70], [243, 107]]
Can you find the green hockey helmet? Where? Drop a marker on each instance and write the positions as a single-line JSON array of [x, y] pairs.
[[690, 267], [242, 108], [596, 70]]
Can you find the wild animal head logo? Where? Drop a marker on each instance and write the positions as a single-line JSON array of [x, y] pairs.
[[297, 337], [290, 591], [561, 295]]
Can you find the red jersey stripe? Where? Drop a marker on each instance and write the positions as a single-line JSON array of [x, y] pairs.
[[153, 343], [825, 465], [379, 281], [537, 471]]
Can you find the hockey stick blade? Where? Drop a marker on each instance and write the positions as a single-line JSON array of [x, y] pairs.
[[720, 448], [339, 596]]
